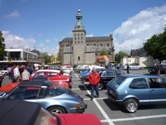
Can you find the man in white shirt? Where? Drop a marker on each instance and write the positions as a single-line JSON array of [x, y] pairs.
[[25, 74], [17, 74]]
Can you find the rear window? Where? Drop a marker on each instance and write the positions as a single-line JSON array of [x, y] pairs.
[[116, 82]]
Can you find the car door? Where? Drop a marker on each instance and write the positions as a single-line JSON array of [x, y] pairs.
[[157, 90], [24, 93]]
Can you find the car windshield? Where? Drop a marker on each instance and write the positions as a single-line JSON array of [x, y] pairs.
[[116, 82]]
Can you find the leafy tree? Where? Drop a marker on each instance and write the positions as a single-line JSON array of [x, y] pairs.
[[2, 47], [58, 57], [103, 52], [156, 46], [120, 55], [46, 57]]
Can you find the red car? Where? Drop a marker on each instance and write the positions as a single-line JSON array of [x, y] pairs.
[[54, 76], [15, 112]]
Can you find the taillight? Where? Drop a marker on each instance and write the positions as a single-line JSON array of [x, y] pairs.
[[115, 94]]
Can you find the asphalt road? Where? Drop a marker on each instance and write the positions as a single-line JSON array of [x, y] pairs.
[[112, 114]]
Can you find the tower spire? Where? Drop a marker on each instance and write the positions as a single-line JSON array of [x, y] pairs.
[[79, 17]]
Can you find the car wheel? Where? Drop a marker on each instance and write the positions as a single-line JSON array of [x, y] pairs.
[[130, 105], [141, 68], [100, 86], [56, 110]]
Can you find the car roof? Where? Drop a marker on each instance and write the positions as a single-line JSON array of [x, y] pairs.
[[32, 83], [15, 112], [141, 76]]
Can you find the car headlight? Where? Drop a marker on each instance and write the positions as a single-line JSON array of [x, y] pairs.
[[78, 105]]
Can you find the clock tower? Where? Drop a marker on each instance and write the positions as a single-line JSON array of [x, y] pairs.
[[79, 41]]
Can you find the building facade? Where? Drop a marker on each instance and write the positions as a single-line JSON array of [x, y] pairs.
[[80, 49]]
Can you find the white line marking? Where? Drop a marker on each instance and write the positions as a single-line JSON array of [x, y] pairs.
[[99, 107], [96, 98], [75, 89], [135, 118]]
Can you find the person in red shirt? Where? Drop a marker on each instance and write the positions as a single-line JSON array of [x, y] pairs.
[[94, 79]]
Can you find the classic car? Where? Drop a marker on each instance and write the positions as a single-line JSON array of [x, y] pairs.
[[153, 70], [18, 114], [51, 97], [132, 90], [105, 77], [54, 76]]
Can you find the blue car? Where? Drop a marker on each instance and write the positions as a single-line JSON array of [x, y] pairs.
[[53, 98], [130, 91]]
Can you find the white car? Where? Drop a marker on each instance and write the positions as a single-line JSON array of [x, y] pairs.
[[133, 66], [3, 72]]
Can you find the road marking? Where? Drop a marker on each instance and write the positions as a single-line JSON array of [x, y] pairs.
[[96, 98], [75, 89], [99, 107], [135, 118]]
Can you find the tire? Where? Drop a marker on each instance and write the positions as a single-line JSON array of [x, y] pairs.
[[100, 86], [56, 110], [141, 68], [130, 105]]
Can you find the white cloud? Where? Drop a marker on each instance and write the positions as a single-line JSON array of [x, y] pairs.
[[50, 51], [89, 35], [13, 14], [41, 45], [47, 40], [16, 41], [137, 29]]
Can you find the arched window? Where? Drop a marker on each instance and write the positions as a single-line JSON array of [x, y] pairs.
[[101, 45], [107, 45], [94, 45]]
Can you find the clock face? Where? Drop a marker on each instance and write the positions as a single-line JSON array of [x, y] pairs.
[[78, 26]]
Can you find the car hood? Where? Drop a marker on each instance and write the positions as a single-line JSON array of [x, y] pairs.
[[79, 119]]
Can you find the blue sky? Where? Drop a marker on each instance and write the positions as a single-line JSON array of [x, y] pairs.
[[44, 23]]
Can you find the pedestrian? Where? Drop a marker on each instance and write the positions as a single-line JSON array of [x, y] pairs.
[[25, 74], [61, 72], [9, 72], [128, 68], [94, 79], [17, 74], [12, 73], [158, 68], [30, 69]]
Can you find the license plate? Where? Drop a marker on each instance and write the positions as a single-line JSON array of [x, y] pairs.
[[86, 83]]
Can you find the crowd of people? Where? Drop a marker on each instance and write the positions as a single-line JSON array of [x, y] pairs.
[[16, 71]]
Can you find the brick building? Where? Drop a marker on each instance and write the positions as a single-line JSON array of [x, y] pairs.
[[80, 49]]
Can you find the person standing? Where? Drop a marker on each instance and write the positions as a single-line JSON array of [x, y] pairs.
[[17, 73], [94, 79], [9, 72], [158, 68], [128, 68], [12, 73], [25, 75]]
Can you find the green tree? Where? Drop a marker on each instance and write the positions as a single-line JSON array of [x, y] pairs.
[[156, 46], [58, 57], [2, 47], [103, 52], [46, 57], [120, 55]]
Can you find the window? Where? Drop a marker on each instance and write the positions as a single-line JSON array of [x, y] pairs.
[[51, 74], [24, 93], [75, 38], [138, 83], [40, 74], [78, 42], [94, 45], [55, 92], [78, 34], [75, 34], [81, 34], [101, 45], [78, 58], [81, 41], [108, 73], [78, 38], [117, 81], [75, 42], [67, 45], [157, 83], [107, 45], [87, 44]]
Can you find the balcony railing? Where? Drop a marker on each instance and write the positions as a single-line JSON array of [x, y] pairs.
[[15, 59]]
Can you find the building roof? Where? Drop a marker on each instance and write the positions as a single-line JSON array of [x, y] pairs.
[[138, 52], [90, 39]]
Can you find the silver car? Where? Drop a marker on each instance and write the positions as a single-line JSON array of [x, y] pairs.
[[51, 97]]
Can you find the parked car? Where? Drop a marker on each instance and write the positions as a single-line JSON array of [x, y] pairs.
[[54, 76], [16, 113], [1, 80], [153, 70], [130, 90], [133, 66], [105, 77], [51, 97], [3, 72]]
